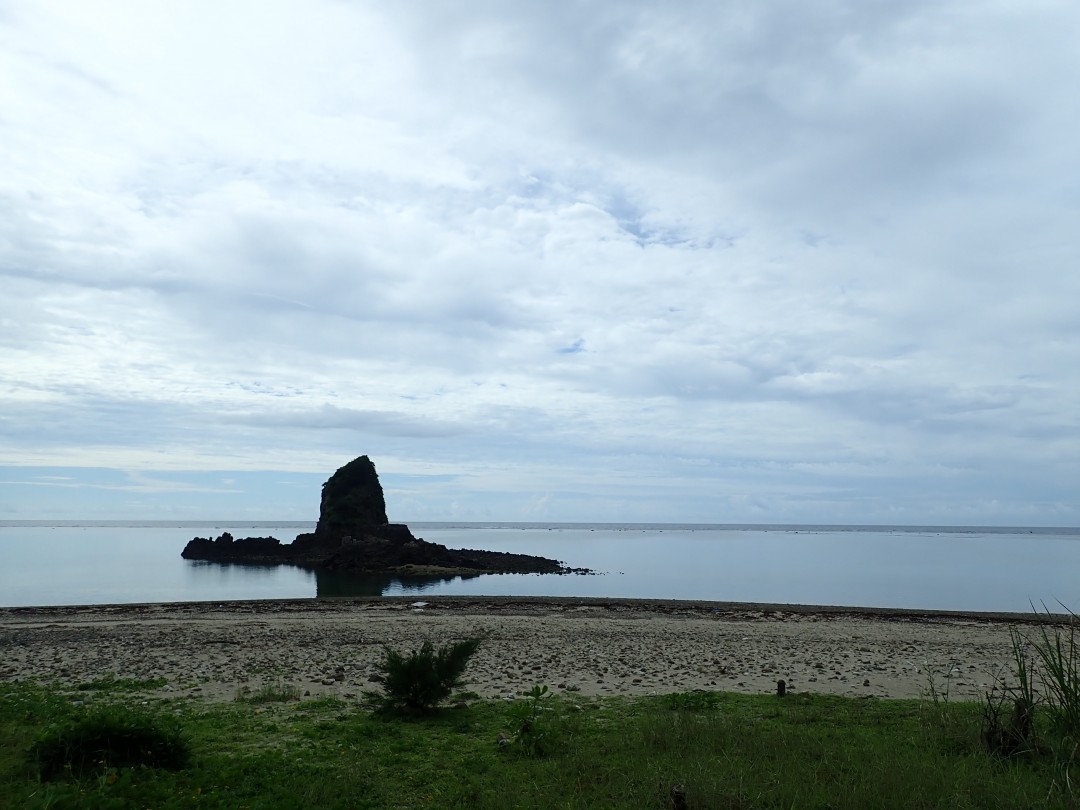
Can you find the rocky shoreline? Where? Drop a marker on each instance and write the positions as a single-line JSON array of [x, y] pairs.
[[374, 554]]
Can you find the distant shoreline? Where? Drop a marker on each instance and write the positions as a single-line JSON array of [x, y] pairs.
[[528, 603]]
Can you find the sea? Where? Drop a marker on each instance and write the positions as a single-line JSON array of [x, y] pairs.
[[972, 569]]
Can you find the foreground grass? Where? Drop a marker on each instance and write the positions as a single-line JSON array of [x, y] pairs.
[[725, 750]]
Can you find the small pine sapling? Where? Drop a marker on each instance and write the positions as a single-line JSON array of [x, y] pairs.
[[419, 681]]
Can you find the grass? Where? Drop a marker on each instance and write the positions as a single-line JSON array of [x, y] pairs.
[[107, 738], [110, 683], [724, 750], [278, 692], [1056, 663]]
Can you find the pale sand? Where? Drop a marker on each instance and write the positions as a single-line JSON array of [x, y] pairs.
[[582, 646]]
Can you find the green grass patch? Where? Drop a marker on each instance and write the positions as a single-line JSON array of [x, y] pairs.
[[721, 750], [107, 738], [278, 692], [110, 683]]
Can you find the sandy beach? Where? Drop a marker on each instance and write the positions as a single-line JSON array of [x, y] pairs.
[[213, 650]]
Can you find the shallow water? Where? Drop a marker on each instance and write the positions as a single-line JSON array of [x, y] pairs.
[[931, 568]]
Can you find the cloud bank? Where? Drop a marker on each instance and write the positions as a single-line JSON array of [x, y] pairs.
[[715, 262]]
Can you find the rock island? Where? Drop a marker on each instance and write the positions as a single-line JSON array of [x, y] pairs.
[[354, 535]]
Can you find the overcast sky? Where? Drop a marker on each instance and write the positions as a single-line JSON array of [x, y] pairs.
[[560, 261]]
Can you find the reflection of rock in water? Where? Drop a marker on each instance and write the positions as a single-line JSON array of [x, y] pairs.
[[341, 583], [249, 570]]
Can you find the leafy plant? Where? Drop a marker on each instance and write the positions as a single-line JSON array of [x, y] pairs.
[[110, 737], [421, 680], [532, 733]]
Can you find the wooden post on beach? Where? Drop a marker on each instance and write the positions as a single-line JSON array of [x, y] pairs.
[[781, 688]]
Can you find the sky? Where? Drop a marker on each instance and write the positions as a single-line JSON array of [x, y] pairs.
[[724, 262]]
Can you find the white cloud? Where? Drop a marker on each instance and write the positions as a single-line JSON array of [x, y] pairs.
[[734, 262]]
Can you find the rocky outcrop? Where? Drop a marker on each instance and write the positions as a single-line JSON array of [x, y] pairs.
[[352, 506], [227, 548], [353, 535]]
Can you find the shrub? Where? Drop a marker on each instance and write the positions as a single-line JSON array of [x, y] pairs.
[[418, 682], [532, 733], [110, 737]]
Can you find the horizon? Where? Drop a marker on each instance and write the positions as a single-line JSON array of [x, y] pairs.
[[643, 525]]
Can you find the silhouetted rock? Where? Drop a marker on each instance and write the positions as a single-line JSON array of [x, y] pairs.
[[353, 535], [225, 548], [352, 505]]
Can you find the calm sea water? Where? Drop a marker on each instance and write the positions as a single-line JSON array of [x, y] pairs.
[[947, 568]]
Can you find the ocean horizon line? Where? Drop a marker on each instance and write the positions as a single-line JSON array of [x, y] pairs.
[[226, 523]]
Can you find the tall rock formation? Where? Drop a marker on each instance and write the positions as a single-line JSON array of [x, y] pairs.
[[352, 498], [352, 506], [354, 535]]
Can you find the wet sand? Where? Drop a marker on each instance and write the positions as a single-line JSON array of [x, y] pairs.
[[213, 650]]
